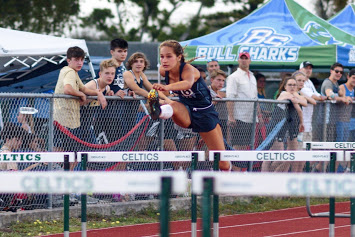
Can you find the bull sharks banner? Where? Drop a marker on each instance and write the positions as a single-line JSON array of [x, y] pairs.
[[279, 34]]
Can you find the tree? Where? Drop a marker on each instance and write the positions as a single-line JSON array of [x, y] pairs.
[[39, 16], [327, 8]]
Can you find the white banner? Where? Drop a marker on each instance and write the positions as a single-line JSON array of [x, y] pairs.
[[90, 182], [141, 156], [331, 145], [36, 157], [277, 184], [275, 155]]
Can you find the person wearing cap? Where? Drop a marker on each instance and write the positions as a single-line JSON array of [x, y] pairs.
[[309, 90], [241, 84], [212, 65]]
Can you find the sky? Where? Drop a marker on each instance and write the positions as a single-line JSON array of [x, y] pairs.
[[186, 11]]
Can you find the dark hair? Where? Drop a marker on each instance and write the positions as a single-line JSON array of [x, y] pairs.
[[200, 69], [336, 65], [75, 52], [11, 130], [177, 48], [132, 59], [118, 43], [283, 84], [259, 75]]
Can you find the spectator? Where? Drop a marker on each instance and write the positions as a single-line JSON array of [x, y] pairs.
[[346, 91], [212, 64], [101, 119], [12, 136], [218, 78], [123, 113], [202, 72], [26, 121], [292, 126], [330, 89], [309, 91], [241, 84], [67, 111], [260, 83], [300, 78]]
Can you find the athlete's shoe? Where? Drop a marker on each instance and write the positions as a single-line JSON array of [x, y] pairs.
[[153, 100]]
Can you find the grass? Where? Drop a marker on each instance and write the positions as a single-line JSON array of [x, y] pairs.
[[150, 215]]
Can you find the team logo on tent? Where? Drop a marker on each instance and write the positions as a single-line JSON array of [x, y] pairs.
[[319, 34], [265, 44], [352, 56]]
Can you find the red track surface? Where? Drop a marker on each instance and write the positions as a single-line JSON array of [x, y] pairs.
[[293, 222]]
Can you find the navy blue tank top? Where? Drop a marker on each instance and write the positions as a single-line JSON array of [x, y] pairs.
[[198, 96]]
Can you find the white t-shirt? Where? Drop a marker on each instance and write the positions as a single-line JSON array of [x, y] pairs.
[[242, 84], [309, 90]]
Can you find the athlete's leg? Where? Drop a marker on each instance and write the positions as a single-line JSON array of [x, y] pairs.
[[214, 141]]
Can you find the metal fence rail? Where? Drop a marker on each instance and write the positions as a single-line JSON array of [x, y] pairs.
[[125, 126]]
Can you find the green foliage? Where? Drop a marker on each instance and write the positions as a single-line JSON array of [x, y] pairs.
[[39, 16]]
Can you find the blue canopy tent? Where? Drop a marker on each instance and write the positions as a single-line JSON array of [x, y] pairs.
[[345, 19], [280, 34]]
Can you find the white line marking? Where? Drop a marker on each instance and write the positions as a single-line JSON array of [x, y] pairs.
[[306, 231]]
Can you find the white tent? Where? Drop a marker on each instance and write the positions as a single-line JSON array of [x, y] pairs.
[[29, 49]]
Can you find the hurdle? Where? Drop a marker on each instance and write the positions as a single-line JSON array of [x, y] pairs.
[[284, 156], [144, 156], [59, 182], [322, 146], [269, 184], [44, 157]]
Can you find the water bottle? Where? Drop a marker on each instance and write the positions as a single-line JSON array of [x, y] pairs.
[[300, 137]]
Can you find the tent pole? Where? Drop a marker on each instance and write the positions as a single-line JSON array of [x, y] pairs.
[[92, 71]]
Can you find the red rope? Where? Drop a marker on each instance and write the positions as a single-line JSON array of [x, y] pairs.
[[131, 149], [100, 146]]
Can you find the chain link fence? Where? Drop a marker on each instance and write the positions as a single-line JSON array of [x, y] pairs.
[[49, 125]]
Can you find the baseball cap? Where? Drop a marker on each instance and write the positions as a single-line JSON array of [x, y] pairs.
[[246, 54], [306, 64], [352, 72]]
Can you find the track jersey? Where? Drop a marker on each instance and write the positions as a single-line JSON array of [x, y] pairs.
[[197, 97]]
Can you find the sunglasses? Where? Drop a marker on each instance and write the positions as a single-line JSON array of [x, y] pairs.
[[337, 71], [294, 85], [212, 60]]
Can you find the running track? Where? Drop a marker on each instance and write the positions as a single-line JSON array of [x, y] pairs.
[[293, 222]]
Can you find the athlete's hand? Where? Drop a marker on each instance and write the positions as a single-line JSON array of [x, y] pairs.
[[301, 128], [102, 100], [159, 87], [110, 93]]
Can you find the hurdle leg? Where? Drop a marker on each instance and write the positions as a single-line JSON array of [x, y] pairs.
[[352, 199], [206, 207], [194, 200], [217, 157], [84, 158], [164, 206], [332, 199], [66, 200]]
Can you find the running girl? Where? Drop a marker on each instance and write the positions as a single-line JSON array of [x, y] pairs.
[[194, 109]]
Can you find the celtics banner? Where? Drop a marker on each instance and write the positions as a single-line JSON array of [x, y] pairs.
[[279, 34]]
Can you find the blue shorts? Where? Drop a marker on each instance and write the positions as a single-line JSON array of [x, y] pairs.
[[203, 120]]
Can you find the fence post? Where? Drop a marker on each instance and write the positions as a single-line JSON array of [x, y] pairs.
[[352, 199], [84, 158], [66, 200], [326, 110], [206, 207], [217, 158], [164, 206], [253, 128], [194, 199], [50, 143], [333, 158]]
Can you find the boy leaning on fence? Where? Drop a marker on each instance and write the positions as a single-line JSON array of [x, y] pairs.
[[67, 111]]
